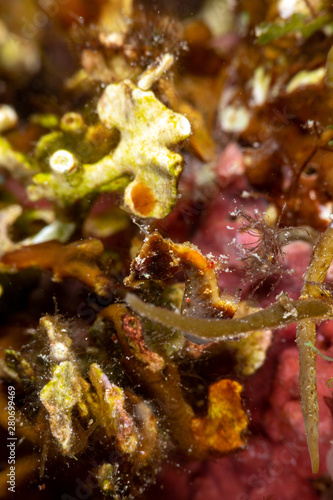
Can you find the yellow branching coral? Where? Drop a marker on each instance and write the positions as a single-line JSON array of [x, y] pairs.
[[142, 161]]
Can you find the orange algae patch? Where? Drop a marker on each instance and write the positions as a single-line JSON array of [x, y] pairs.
[[221, 430], [143, 199], [76, 260]]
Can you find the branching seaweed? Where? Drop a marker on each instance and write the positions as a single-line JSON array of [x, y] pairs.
[[207, 330], [306, 332]]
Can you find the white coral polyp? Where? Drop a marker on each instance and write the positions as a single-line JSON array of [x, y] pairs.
[[62, 162]]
